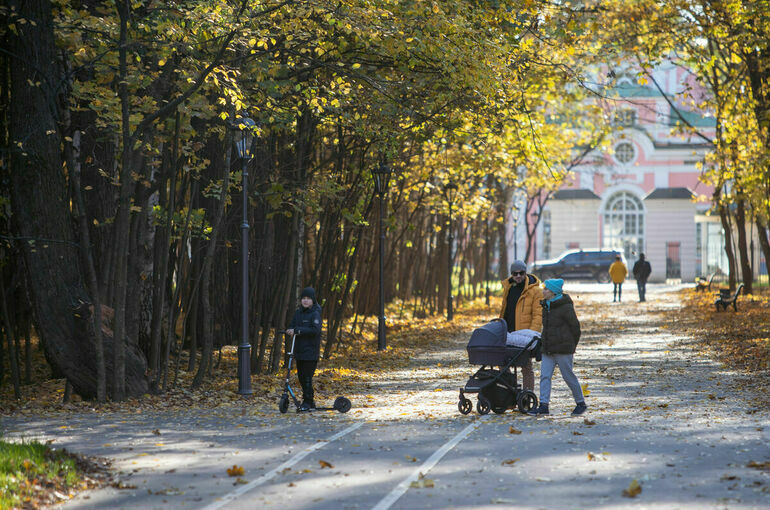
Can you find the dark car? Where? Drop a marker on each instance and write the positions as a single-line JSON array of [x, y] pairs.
[[578, 264]]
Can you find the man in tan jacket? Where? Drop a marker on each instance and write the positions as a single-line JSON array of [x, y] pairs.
[[521, 309]]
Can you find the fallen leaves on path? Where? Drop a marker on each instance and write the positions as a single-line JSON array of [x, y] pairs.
[[762, 466], [739, 339], [235, 471], [633, 490], [422, 483], [597, 456]]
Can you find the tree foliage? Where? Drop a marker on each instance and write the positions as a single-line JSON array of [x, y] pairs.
[[137, 101]]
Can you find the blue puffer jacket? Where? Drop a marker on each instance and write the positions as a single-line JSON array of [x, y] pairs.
[[306, 323]]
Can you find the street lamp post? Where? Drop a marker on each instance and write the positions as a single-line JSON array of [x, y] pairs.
[[243, 137], [381, 176], [451, 192], [534, 241]]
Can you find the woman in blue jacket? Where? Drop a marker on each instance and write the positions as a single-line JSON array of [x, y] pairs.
[[306, 324]]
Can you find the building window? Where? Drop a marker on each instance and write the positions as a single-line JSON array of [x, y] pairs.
[[624, 224], [625, 152], [625, 118], [716, 258], [698, 249]]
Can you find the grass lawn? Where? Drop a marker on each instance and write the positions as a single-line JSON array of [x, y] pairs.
[[33, 474]]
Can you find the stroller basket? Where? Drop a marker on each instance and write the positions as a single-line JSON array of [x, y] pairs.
[[487, 347]]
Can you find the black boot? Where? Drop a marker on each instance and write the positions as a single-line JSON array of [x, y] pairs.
[[307, 394]]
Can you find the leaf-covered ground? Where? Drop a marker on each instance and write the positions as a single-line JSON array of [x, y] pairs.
[[741, 339]]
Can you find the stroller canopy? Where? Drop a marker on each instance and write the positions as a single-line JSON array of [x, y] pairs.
[[492, 334]]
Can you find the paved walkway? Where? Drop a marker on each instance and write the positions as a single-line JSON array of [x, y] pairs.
[[685, 428]]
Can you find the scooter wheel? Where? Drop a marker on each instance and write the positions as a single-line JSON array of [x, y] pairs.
[[283, 404], [342, 404]]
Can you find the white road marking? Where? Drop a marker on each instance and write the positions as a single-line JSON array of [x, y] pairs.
[[426, 466], [270, 474]]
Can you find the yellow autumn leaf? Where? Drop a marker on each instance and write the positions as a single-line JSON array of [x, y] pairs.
[[235, 471], [633, 490], [585, 389]]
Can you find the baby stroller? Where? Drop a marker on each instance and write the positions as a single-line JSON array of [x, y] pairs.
[[498, 389]]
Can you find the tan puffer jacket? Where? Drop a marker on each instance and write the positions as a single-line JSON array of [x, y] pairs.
[[529, 314]]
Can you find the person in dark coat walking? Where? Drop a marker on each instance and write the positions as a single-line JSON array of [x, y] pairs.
[[306, 324], [561, 333], [641, 270]]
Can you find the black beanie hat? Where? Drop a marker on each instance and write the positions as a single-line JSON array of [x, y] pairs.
[[308, 292]]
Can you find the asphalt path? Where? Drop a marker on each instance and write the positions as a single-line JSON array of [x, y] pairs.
[[686, 428]]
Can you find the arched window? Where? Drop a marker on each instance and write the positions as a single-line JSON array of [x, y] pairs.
[[624, 224]]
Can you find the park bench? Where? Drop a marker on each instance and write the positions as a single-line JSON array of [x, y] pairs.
[[726, 298], [704, 285]]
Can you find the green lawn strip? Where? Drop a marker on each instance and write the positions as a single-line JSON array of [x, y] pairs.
[[32, 473]]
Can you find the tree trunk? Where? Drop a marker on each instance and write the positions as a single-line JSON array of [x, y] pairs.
[[10, 336], [41, 208], [764, 242], [728, 245], [208, 262], [743, 249], [87, 256], [331, 336]]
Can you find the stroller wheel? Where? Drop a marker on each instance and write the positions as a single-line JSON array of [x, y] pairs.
[[465, 406], [283, 404], [499, 410], [527, 400], [482, 406]]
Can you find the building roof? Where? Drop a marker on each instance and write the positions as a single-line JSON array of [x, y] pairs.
[[633, 90], [669, 193], [693, 118], [575, 194]]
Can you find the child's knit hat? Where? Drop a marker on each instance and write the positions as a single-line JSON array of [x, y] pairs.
[[554, 285]]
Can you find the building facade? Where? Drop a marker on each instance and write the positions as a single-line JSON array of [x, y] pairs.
[[644, 194]]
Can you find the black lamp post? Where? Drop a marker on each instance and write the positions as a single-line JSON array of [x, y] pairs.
[[244, 136], [451, 192], [534, 240], [381, 176]]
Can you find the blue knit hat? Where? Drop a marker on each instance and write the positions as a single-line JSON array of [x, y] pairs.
[[554, 285]]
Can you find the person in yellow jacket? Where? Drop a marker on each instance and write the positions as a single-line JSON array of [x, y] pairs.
[[521, 309], [618, 273]]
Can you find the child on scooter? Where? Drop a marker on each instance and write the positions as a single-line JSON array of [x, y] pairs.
[[306, 324]]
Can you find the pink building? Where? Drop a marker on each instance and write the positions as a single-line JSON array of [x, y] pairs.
[[643, 195]]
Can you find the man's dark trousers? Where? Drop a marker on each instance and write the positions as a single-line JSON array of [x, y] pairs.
[[641, 285]]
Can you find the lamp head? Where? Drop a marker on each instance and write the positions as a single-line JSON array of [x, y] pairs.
[[451, 191], [381, 176], [243, 136]]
